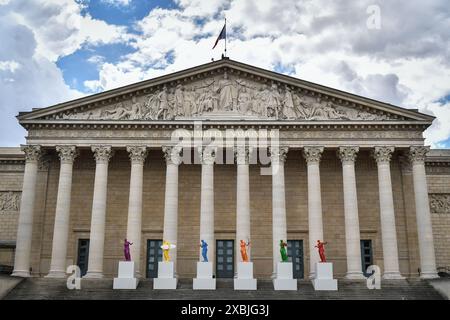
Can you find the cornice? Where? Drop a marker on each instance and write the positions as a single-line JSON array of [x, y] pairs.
[[189, 124]]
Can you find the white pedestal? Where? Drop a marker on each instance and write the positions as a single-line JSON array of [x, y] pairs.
[[166, 279], [324, 277], [284, 279], [244, 280], [126, 279], [204, 280]]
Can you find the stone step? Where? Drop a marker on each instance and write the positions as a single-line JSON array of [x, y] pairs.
[[43, 288]]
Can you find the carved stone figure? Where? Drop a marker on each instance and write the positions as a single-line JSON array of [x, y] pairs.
[[9, 201], [228, 94], [224, 93], [289, 111], [163, 104], [273, 101]]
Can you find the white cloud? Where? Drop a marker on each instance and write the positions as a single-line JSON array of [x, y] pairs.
[[406, 63], [60, 28], [118, 3], [10, 66]]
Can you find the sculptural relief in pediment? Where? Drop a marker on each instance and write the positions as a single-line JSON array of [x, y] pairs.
[[223, 95]]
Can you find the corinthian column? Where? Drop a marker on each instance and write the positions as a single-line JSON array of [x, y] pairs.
[[102, 156], [134, 225], [208, 156], [25, 225], [67, 155], [242, 198], [352, 237], [279, 230], [417, 155], [387, 216], [312, 156], [170, 232]]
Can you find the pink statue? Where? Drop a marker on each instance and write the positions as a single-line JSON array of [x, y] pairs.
[[320, 245], [126, 250]]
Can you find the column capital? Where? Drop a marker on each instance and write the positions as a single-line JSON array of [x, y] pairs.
[[67, 154], [102, 153], [207, 154], [383, 154], [418, 154], [313, 154], [137, 153], [348, 153], [33, 153], [278, 154], [242, 154], [172, 154]]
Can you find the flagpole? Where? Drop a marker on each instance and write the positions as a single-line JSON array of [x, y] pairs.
[[225, 36]]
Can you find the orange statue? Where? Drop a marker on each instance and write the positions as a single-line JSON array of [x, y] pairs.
[[244, 246]]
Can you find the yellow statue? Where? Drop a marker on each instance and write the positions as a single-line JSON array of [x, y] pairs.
[[166, 246]]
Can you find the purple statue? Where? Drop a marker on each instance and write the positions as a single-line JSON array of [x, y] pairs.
[[126, 250]]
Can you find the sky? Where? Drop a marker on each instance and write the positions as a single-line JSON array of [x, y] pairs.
[[394, 51]]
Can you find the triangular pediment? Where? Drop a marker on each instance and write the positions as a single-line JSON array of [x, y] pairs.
[[224, 90]]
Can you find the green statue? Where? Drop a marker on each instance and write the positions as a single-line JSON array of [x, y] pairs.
[[284, 256]]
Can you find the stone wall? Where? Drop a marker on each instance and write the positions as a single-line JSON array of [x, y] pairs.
[[439, 191], [11, 176]]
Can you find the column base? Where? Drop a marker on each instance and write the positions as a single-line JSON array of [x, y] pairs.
[[354, 276], [56, 274], [20, 273], [93, 275], [393, 276], [429, 275]]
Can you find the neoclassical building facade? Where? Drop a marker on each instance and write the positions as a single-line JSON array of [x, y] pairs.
[[225, 152]]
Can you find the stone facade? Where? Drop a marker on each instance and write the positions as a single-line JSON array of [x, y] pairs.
[[225, 208], [345, 143]]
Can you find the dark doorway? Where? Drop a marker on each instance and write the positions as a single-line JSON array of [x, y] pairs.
[[225, 258], [154, 255], [366, 255], [83, 255], [295, 254]]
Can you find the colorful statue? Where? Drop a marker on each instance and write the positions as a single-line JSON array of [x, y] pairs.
[[320, 245], [284, 256], [166, 246], [126, 250], [204, 247], [244, 246]]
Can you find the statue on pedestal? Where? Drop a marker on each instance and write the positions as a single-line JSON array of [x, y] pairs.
[[126, 250], [244, 246], [204, 247], [321, 246], [283, 252], [166, 246]]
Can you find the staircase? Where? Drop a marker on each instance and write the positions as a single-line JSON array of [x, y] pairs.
[[43, 288]]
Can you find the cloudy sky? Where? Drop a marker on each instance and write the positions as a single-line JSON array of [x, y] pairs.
[[395, 51]]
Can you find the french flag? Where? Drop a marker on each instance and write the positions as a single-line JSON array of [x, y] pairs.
[[222, 35]]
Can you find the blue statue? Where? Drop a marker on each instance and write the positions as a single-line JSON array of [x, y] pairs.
[[204, 247]]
